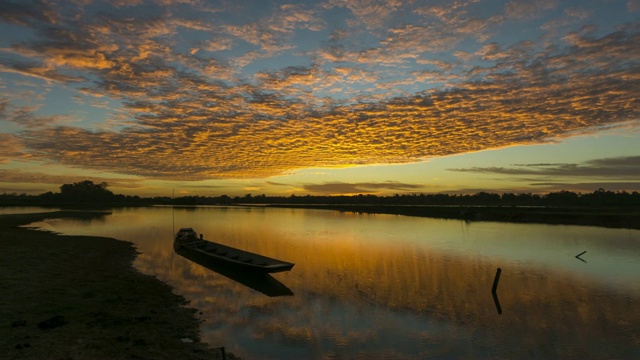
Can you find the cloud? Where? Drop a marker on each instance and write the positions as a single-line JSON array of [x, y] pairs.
[[25, 117], [10, 148], [371, 14], [271, 34], [219, 44], [616, 168], [548, 185], [589, 186], [37, 71], [246, 132], [22, 177], [528, 9], [194, 116], [341, 188], [24, 12]]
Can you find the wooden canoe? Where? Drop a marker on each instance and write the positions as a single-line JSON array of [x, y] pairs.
[[187, 240]]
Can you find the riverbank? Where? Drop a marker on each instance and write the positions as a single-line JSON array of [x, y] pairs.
[[78, 297], [614, 217]]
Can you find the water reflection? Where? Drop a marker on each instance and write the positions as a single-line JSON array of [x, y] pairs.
[[497, 303], [397, 287]]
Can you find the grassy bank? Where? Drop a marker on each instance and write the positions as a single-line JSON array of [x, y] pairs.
[[622, 217], [78, 297]]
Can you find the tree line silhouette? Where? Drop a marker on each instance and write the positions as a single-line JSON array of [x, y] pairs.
[[86, 192]]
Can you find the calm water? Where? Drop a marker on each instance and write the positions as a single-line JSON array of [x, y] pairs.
[[383, 286]]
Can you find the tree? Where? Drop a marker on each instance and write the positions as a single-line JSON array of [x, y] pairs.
[[563, 197], [86, 191]]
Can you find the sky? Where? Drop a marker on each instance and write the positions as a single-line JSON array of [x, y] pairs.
[[195, 97]]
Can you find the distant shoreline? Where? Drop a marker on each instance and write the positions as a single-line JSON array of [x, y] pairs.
[[613, 217]]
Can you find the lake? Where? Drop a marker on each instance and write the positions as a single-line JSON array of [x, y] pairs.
[[385, 286]]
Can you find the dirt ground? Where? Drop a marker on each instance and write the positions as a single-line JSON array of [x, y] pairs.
[[78, 297]]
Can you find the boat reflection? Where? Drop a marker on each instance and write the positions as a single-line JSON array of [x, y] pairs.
[[261, 282]]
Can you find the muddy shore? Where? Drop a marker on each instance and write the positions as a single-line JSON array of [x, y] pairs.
[[78, 297]]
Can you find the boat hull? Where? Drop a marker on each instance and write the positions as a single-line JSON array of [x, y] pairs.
[[232, 257]]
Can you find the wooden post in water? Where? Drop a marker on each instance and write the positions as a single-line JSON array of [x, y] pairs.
[[224, 357], [496, 280]]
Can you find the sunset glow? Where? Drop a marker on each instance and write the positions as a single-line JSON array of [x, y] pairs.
[[320, 97]]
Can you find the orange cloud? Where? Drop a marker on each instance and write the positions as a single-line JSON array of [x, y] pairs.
[[10, 148], [397, 99], [79, 59]]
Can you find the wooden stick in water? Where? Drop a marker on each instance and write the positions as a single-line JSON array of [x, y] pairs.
[[496, 280]]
